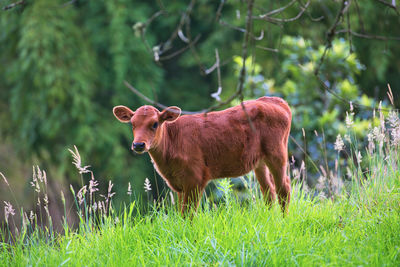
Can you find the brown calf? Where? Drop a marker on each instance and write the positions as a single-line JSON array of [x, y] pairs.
[[190, 150]]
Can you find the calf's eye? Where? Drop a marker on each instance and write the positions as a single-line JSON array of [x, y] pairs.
[[155, 125]]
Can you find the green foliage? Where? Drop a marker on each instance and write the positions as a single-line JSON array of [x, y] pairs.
[[306, 95], [73, 71], [314, 108], [57, 66]]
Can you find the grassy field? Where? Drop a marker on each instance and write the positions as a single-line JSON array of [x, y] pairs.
[[363, 229], [345, 222]]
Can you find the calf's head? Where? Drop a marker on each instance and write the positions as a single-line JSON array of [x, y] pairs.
[[146, 123]]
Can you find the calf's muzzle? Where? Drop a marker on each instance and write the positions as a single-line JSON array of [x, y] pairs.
[[138, 146]]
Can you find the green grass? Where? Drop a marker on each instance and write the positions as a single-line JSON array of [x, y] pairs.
[[314, 233]]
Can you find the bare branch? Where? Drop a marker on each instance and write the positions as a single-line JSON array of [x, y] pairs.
[[158, 50], [193, 47], [140, 29], [260, 37], [145, 98], [183, 37], [239, 91], [219, 91], [12, 5], [212, 68], [184, 112], [223, 23], [219, 10], [242, 74], [270, 19], [68, 3], [154, 16], [390, 5], [161, 5], [244, 48], [277, 11], [331, 34], [359, 16], [314, 19], [215, 65], [168, 44], [329, 90], [369, 36], [180, 51], [268, 49], [349, 36]]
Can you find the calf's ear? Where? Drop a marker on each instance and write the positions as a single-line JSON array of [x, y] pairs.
[[123, 114], [170, 114]]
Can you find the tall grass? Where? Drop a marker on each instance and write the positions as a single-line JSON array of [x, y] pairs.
[[351, 218]]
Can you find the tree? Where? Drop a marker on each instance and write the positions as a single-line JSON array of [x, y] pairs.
[[63, 67]]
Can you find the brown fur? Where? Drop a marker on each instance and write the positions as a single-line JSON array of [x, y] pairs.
[[190, 150]]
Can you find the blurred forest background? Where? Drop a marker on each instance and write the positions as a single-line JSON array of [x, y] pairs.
[[63, 65]]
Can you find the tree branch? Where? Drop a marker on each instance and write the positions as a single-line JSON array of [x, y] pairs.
[[329, 90], [277, 11], [180, 51], [271, 19], [167, 45], [193, 47], [12, 5], [219, 10], [369, 36], [244, 48], [268, 49], [392, 6], [331, 34], [239, 91], [219, 91]]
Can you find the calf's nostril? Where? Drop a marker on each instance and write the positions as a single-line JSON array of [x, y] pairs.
[[138, 146]]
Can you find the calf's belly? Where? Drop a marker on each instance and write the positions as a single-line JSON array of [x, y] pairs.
[[233, 167]]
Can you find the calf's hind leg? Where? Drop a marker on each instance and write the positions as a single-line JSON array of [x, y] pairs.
[[277, 166], [266, 183]]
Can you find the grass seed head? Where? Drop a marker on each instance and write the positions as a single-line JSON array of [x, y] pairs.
[[46, 200], [5, 179], [339, 144], [110, 186], [8, 210], [395, 133], [93, 186], [81, 195], [359, 157], [129, 189], [321, 183], [77, 161], [31, 216], [349, 119], [147, 185], [394, 122]]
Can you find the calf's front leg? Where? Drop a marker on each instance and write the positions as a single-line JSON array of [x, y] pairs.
[[191, 199]]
